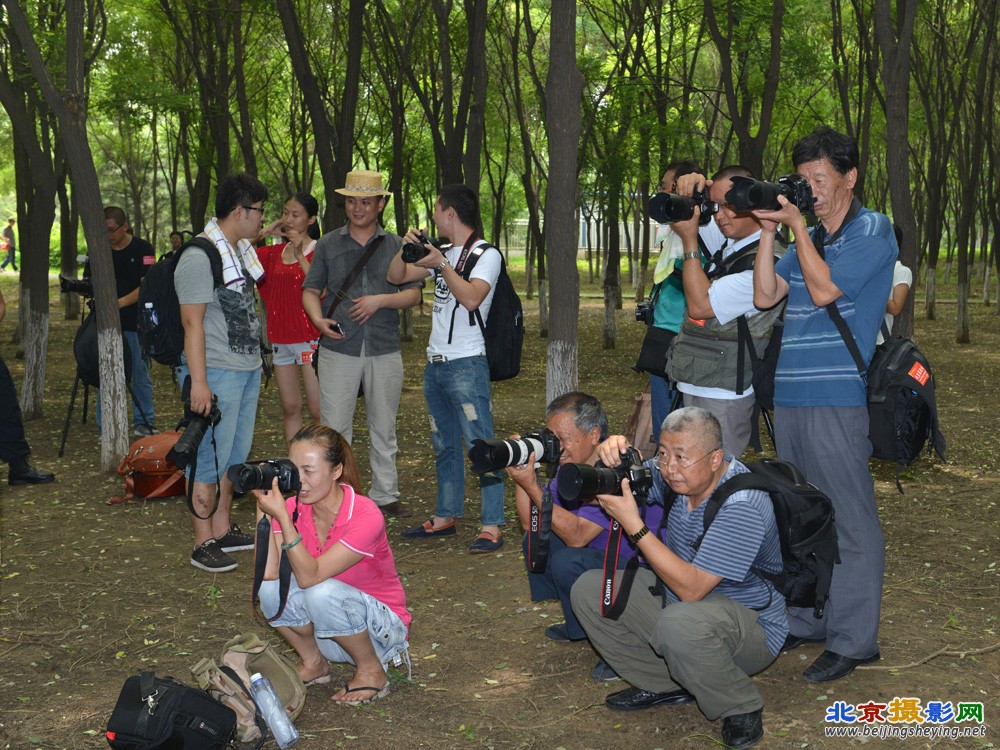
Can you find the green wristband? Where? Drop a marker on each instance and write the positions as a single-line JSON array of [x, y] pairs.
[[292, 543]]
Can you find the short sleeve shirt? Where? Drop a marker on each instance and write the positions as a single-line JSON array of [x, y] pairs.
[[335, 255], [130, 264], [232, 328], [360, 527], [454, 333], [815, 367]]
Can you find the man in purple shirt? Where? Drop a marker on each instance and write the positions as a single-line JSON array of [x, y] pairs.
[[579, 537]]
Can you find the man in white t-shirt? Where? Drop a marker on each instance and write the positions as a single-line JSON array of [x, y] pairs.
[[724, 298], [457, 376]]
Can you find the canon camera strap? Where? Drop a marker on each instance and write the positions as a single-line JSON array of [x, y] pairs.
[[540, 526]]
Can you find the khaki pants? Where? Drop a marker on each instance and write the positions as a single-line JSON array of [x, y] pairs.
[[710, 647]]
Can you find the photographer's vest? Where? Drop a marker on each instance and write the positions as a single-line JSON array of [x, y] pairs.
[[711, 355]]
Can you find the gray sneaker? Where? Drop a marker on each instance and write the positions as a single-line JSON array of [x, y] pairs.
[[142, 430], [235, 540], [209, 556]]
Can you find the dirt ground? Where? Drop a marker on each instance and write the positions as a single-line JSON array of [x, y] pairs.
[[93, 593]]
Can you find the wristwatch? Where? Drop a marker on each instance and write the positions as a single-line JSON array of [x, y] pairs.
[[634, 538], [441, 266], [694, 255]]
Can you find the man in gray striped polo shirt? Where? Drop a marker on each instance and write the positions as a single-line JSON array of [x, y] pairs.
[[715, 622]]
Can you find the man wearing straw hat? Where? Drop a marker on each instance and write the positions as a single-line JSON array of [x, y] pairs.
[[359, 348]]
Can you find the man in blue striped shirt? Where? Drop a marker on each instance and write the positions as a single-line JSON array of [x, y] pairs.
[[821, 414], [716, 622]]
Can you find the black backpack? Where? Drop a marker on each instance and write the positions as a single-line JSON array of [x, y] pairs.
[[161, 334], [902, 408], [503, 330], [806, 530]]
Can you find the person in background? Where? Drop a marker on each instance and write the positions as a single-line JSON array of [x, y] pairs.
[[360, 346], [668, 287], [345, 602], [457, 374], [132, 256], [14, 448], [902, 280], [292, 335], [10, 241]]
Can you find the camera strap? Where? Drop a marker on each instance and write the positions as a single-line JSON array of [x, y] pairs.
[[341, 293], [612, 605], [540, 526], [194, 473], [261, 551]]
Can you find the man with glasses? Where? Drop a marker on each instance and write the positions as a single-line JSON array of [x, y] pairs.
[[360, 348], [132, 257], [698, 621], [222, 361], [719, 301]]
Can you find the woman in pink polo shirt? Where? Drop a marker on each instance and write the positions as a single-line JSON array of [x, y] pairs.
[[345, 602]]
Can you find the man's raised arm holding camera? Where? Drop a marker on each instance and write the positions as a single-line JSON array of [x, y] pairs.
[[578, 537], [711, 621], [842, 269], [457, 376]]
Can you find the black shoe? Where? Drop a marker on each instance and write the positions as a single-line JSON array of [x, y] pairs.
[[743, 730], [830, 666], [209, 556], [635, 699], [395, 509], [794, 641], [29, 475], [235, 540]]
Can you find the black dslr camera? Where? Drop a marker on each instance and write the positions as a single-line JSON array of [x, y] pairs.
[[644, 312], [195, 427], [260, 476], [412, 251], [580, 482], [84, 286], [748, 195], [492, 455], [666, 208]]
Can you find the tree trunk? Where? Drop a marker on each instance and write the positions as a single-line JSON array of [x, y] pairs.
[[894, 40], [70, 108], [564, 125]]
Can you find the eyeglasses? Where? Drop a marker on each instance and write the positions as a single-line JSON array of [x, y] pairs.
[[112, 230], [663, 461], [259, 210]]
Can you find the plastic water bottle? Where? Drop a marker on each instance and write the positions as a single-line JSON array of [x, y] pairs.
[[285, 733], [151, 316]]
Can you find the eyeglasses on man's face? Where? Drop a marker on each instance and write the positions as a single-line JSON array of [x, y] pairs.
[[664, 460]]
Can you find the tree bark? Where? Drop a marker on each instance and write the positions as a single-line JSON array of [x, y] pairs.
[[564, 89], [71, 111]]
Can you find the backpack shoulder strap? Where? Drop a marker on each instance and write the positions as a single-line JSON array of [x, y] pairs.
[[738, 483], [214, 258]]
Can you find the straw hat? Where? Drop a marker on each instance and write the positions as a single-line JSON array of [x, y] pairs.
[[362, 184]]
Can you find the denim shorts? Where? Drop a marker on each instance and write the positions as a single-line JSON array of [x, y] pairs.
[[335, 608], [237, 393]]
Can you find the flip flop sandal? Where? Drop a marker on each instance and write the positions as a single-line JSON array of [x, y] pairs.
[[319, 680], [378, 693]]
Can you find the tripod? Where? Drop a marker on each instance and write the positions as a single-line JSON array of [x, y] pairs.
[[87, 370]]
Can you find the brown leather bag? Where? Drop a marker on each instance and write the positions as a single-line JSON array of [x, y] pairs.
[[639, 428], [147, 470]]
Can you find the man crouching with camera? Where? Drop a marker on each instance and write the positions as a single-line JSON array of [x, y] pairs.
[[576, 424], [714, 622]]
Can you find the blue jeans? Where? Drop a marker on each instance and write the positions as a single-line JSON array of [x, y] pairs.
[[661, 398], [237, 393], [142, 385], [565, 565], [337, 609], [458, 400]]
